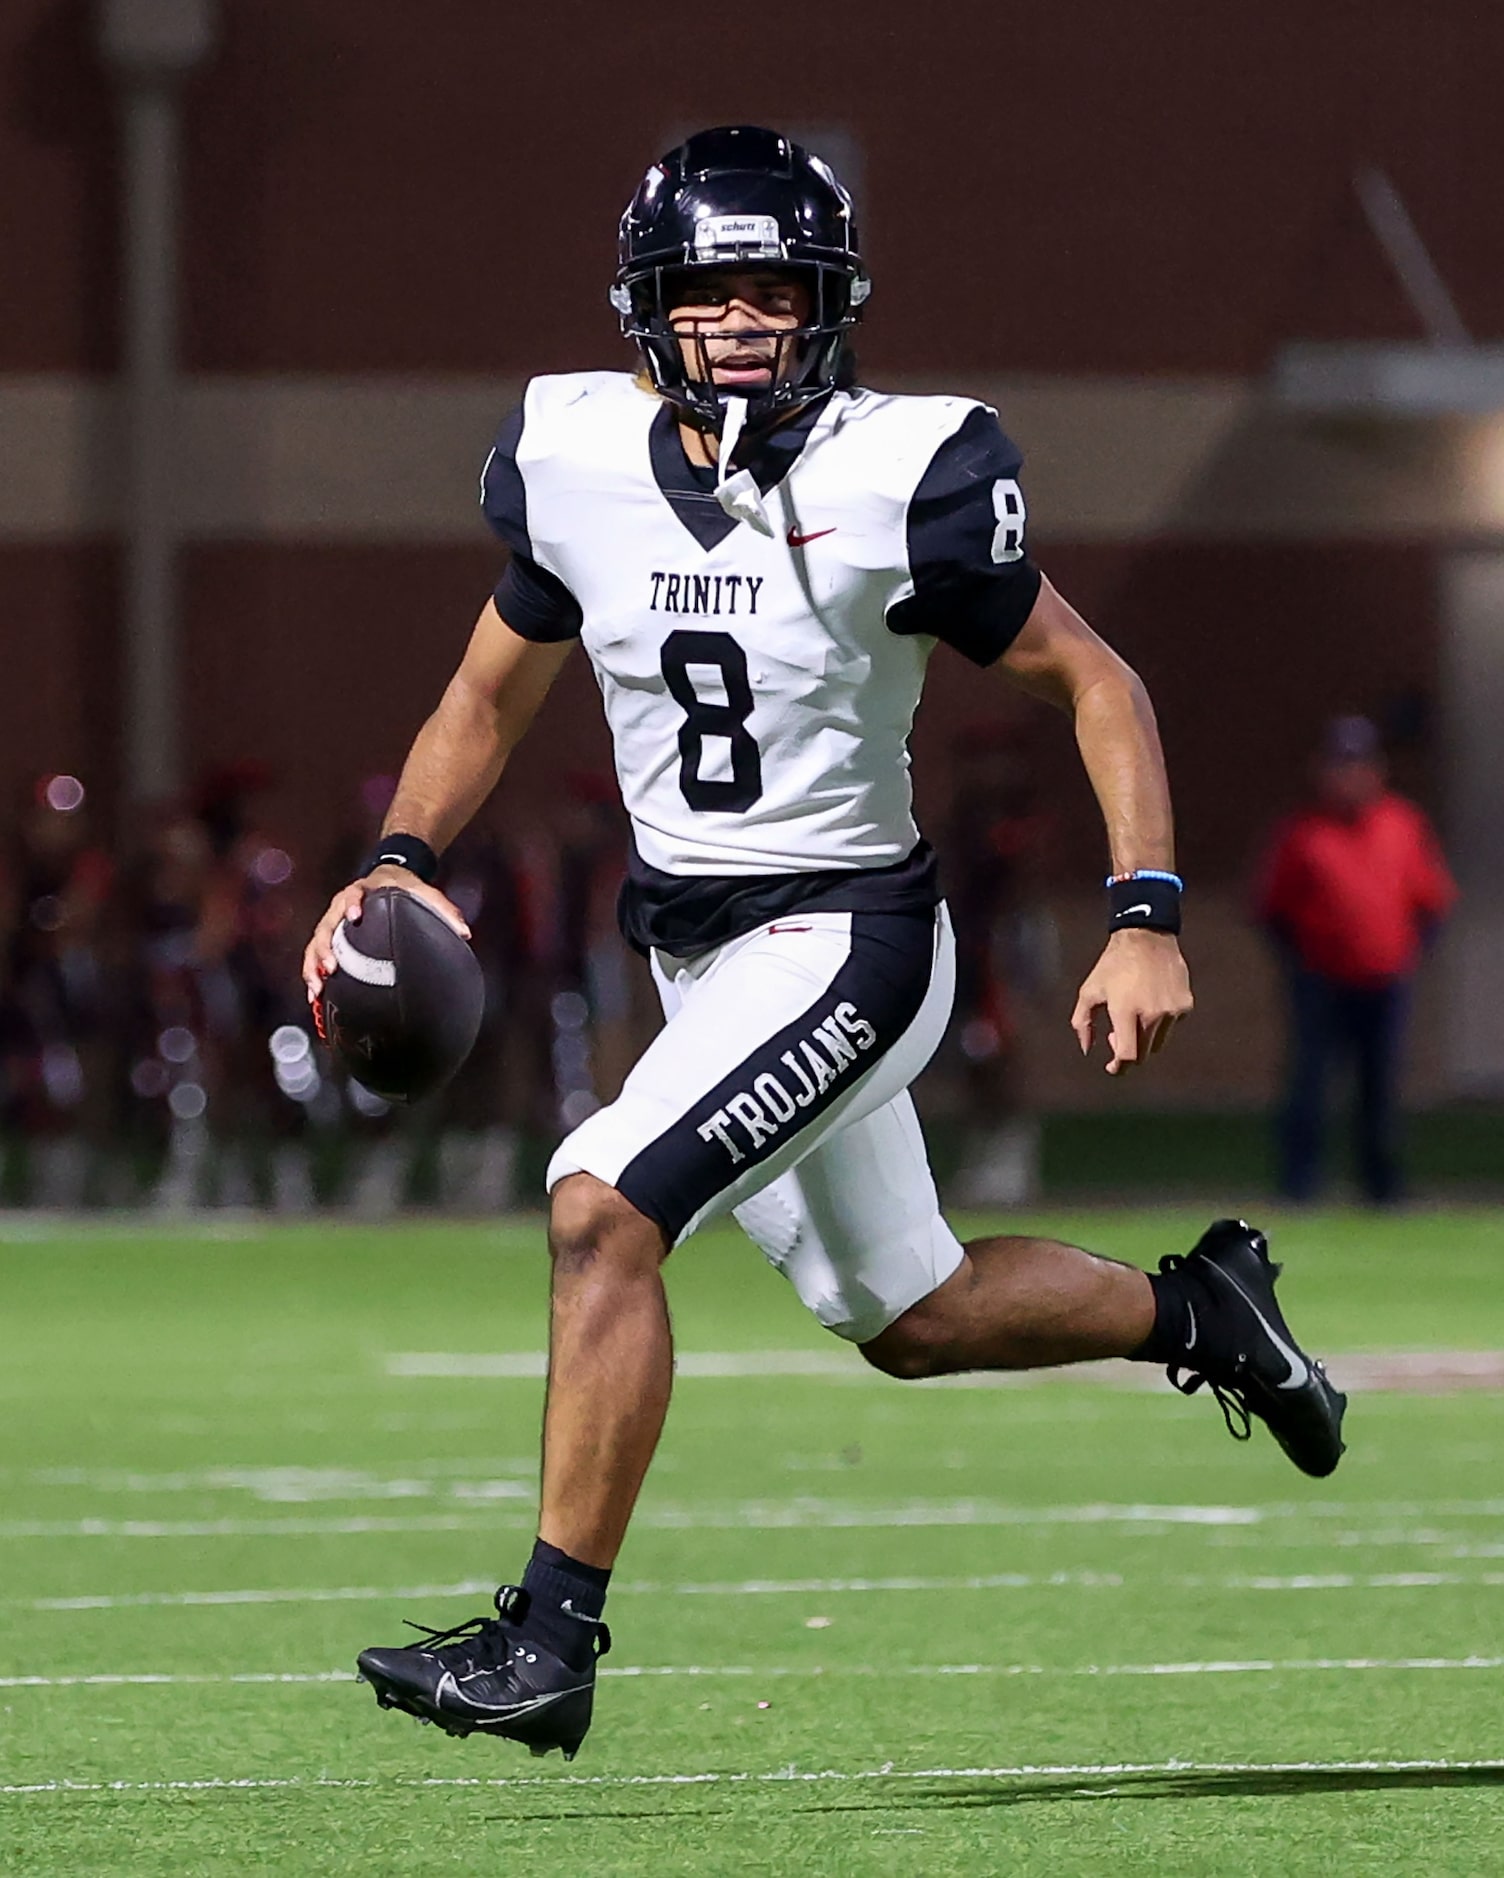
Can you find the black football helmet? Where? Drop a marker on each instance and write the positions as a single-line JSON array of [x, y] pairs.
[[727, 198]]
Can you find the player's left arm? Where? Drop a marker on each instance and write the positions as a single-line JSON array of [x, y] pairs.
[[1140, 980]]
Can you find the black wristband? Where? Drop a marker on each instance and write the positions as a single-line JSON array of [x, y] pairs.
[[408, 851], [1149, 900]]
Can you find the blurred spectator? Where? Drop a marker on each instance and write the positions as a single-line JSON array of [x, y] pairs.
[[220, 1061], [1353, 890], [262, 1082], [480, 1112], [57, 992], [379, 1141], [596, 974], [373, 799], [558, 981], [155, 1043], [1005, 948]]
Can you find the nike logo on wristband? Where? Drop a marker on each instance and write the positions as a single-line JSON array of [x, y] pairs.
[[1129, 911]]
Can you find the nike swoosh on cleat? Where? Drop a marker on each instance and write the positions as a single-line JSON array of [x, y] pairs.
[[1190, 1311], [447, 1684], [1300, 1370]]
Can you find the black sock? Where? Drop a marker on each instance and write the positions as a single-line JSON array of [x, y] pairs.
[[552, 1580], [1184, 1320]]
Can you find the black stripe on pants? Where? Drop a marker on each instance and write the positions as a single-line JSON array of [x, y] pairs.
[[793, 1078]]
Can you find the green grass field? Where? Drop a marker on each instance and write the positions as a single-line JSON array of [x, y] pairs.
[[1056, 1627]]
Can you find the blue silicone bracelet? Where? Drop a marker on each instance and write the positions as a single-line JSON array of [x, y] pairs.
[[1147, 873]]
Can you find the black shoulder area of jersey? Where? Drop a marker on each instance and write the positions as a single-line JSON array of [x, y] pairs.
[[974, 584], [535, 603]]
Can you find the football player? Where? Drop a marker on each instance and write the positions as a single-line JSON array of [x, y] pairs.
[[760, 557]]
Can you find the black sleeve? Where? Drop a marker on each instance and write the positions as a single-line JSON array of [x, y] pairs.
[[974, 584], [534, 603]]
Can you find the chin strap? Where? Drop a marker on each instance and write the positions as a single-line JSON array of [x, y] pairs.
[[738, 493]]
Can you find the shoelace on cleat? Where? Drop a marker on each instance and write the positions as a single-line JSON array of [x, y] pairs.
[[1230, 1399], [1232, 1402], [511, 1608]]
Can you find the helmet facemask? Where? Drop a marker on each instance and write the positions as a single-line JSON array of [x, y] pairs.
[[805, 360]]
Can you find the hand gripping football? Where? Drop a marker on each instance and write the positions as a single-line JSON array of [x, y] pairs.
[[403, 1005]]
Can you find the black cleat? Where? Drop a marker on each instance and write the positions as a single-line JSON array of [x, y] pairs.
[[489, 1677], [1250, 1360]]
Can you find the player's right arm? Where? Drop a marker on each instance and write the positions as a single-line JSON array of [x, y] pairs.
[[454, 764], [973, 585]]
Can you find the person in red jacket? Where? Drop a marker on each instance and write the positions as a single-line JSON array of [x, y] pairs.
[[1353, 889]]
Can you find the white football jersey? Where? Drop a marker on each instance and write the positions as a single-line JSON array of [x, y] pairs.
[[760, 687]]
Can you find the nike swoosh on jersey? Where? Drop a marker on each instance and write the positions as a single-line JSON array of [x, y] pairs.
[[796, 540], [1300, 1372]]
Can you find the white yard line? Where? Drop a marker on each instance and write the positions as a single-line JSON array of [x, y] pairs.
[[514, 1477], [334, 1594], [779, 1671], [1442, 1371], [750, 1515], [1044, 1770], [799, 1511], [297, 1485], [248, 1528], [170, 1680], [477, 1587], [811, 1510], [1347, 1581], [803, 1511], [780, 1777], [783, 1775], [532, 1365], [1260, 1667], [779, 1587]]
